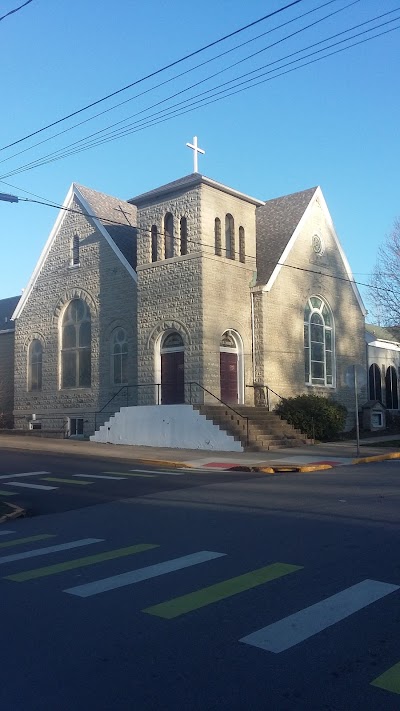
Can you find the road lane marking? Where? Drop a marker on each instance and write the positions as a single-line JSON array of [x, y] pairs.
[[65, 481], [157, 471], [22, 485], [389, 680], [308, 622], [50, 549], [100, 476], [137, 576], [28, 539], [8, 493], [80, 562], [5, 533], [15, 476], [144, 476], [213, 593]]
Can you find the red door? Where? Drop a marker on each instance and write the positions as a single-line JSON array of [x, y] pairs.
[[229, 377], [172, 378]]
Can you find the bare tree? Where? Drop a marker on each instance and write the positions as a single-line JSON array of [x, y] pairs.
[[384, 291]]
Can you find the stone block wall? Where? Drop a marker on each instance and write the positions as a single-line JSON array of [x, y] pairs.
[[110, 292], [283, 315]]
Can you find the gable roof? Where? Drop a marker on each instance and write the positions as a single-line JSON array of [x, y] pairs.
[[384, 333], [7, 308], [100, 209], [111, 210], [285, 217], [190, 181], [276, 222]]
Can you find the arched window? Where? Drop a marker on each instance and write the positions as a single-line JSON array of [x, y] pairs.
[[168, 236], [76, 346], [75, 250], [319, 344], [392, 398], [183, 235], [375, 382], [154, 242], [229, 237], [217, 237], [242, 246], [35, 356], [119, 357]]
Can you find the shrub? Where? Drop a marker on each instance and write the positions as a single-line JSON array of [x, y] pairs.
[[314, 415], [6, 421]]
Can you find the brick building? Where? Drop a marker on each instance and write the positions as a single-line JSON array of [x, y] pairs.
[[185, 293]]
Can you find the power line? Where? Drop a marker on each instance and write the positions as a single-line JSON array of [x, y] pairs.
[[157, 71], [177, 76], [209, 246], [150, 121], [11, 12]]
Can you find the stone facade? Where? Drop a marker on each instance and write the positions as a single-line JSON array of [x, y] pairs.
[[228, 274], [108, 290], [6, 377]]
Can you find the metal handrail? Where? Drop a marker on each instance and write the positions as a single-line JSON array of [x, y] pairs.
[[225, 404]]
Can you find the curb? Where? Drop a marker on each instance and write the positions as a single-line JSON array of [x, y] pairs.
[[164, 463], [16, 513], [278, 468], [376, 458]]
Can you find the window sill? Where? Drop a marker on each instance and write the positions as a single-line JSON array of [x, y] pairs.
[[314, 385], [74, 266]]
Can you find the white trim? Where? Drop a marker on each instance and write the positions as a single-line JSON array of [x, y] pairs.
[[72, 192], [317, 196]]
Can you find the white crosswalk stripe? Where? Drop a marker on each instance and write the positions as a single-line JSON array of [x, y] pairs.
[[23, 485], [49, 549], [137, 576], [306, 623]]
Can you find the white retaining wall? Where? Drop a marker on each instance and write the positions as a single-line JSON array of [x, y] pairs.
[[178, 426]]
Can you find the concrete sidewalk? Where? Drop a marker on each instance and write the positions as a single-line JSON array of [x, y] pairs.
[[314, 456]]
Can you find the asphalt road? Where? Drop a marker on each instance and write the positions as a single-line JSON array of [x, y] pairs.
[[206, 591]]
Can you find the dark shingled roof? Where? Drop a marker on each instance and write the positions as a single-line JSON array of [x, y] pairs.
[[106, 208], [276, 222], [387, 333], [7, 308]]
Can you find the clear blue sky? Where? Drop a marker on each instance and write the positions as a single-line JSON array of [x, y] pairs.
[[334, 123]]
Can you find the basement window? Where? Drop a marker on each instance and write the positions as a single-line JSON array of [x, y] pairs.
[[75, 426]]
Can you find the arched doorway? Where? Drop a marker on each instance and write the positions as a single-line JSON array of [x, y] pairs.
[[172, 369], [392, 398], [231, 368]]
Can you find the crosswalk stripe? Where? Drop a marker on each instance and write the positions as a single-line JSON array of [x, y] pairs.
[[389, 680], [65, 481], [308, 622], [15, 476], [8, 493], [22, 485], [101, 476], [5, 533], [213, 593], [49, 549], [144, 476], [28, 539], [80, 562], [137, 576]]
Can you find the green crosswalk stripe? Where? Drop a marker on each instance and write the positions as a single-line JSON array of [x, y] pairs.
[[389, 680], [65, 481], [80, 562], [29, 539], [206, 596]]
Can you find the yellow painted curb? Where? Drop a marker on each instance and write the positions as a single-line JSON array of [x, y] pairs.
[[376, 458]]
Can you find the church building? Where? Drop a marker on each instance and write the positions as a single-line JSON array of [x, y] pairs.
[[191, 293]]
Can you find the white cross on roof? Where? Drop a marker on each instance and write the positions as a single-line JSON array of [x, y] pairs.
[[196, 151]]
